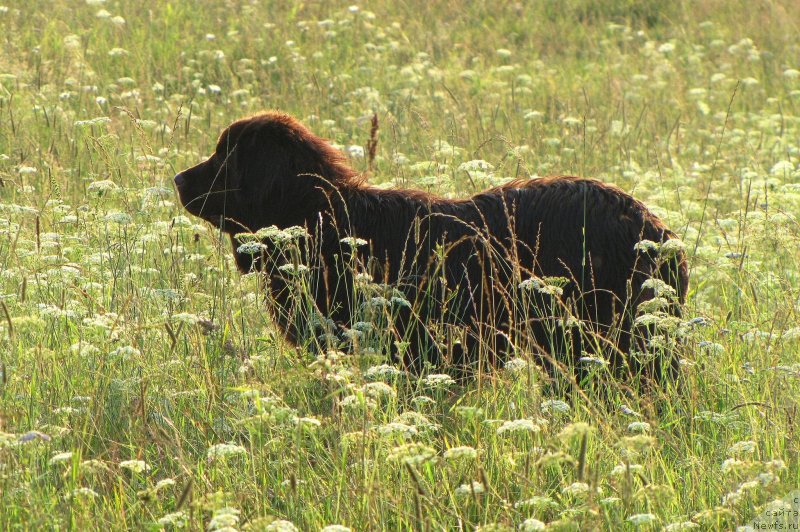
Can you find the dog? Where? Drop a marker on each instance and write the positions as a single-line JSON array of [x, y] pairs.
[[546, 266]]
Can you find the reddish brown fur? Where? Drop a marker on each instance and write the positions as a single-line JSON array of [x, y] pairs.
[[271, 170]]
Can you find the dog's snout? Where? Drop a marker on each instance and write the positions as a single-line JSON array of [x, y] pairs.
[[180, 180]]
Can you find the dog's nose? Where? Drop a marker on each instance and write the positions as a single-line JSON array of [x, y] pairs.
[[180, 180]]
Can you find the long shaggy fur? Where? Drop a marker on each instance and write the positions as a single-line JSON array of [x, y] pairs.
[[459, 263]]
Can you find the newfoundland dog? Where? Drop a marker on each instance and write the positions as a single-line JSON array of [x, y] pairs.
[[557, 268]]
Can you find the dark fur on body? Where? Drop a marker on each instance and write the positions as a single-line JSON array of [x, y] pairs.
[[459, 262]]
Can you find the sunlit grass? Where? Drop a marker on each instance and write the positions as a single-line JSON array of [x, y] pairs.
[[141, 386]]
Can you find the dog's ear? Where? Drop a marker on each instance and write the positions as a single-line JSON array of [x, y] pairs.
[[269, 158]]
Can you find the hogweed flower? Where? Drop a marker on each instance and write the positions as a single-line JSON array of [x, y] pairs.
[[226, 517], [120, 218], [293, 269], [671, 248], [518, 425], [541, 286], [462, 452], [555, 459], [642, 519], [102, 187], [223, 451], [660, 288], [378, 390], [397, 428], [177, 519], [532, 525], [576, 489], [251, 248], [595, 361], [26, 170], [60, 458], [438, 381], [93, 466], [742, 447], [473, 488], [382, 372], [353, 242], [378, 302], [97, 121], [476, 165], [419, 421], [610, 501], [135, 466], [638, 426], [555, 406], [537, 502], [645, 246], [164, 483], [469, 412], [358, 401], [84, 493], [622, 469], [516, 364], [309, 423], [412, 454], [281, 525], [639, 443], [422, 401], [355, 151], [575, 431]]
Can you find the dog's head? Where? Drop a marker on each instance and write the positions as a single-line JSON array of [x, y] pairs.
[[264, 170]]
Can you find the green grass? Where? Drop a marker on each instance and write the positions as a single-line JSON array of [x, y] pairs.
[[127, 334]]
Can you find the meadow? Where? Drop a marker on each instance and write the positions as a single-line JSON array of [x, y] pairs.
[[142, 385]]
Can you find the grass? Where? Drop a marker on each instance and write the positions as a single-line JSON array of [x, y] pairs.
[[141, 387]]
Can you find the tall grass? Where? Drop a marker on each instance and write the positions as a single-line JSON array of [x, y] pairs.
[[143, 386]]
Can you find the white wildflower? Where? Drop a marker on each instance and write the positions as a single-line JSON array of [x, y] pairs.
[[638, 426], [555, 406], [135, 466], [532, 525], [175, 519], [642, 519], [353, 242], [60, 457], [99, 188], [412, 454], [742, 447], [473, 488], [438, 380], [464, 451], [518, 425], [84, 493], [576, 489], [281, 525], [397, 429], [666, 48], [355, 151], [224, 518], [223, 451]]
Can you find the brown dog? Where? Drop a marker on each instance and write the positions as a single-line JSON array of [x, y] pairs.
[[470, 277]]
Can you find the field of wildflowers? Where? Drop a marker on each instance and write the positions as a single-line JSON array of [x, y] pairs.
[[142, 387]]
